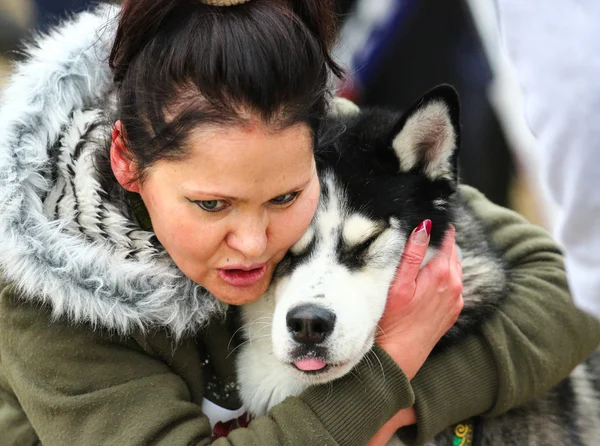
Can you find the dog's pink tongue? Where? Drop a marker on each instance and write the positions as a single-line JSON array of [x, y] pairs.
[[310, 364]]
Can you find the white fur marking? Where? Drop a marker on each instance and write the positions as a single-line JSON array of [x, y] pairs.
[[440, 203], [301, 245], [343, 107], [358, 228]]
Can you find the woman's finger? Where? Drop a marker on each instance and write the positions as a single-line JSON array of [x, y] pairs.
[[415, 250], [403, 287]]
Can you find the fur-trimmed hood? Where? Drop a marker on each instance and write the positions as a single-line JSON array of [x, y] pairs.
[[63, 240]]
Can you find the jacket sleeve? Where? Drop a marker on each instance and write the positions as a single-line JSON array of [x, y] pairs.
[[529, 345], [79, 386]]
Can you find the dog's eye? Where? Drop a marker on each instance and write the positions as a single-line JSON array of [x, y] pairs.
[[360, 249], [354, 256]]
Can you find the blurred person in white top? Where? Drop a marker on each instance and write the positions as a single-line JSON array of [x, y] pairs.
[[555, 49]]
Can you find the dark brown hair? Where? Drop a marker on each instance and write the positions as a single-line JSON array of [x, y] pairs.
[[180, 63]]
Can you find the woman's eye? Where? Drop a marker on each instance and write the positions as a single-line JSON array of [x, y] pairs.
[[211, 205], [285, 199]]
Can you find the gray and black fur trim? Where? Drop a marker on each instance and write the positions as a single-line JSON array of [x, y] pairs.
[[63, 240]]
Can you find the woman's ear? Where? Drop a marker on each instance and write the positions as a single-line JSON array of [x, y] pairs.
[[122, 161]]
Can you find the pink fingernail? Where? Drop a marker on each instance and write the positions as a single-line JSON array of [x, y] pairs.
[[421, 234]]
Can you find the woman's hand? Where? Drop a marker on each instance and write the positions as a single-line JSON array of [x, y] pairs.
[[423, 304]]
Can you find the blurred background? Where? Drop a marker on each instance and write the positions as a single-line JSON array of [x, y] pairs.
[[395, 50]]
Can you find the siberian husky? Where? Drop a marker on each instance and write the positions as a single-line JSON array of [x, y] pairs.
[[382, 173]]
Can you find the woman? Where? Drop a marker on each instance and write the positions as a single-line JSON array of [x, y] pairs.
[[107, 248]]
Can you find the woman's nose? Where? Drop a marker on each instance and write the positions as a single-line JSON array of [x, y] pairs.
[[250, 237]]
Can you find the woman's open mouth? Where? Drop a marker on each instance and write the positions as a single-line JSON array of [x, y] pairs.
[[242, 276]]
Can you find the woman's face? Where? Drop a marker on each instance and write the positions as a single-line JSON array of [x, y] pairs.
[[229, 211]]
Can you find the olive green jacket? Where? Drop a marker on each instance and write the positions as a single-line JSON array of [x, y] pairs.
[[103, 341]]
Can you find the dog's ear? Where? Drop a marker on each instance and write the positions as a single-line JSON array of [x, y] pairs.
[[428, 135], [339, 107]]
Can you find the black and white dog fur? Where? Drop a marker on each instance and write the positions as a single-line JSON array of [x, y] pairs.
[[382, 173]]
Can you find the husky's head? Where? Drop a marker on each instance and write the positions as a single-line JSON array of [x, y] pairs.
[[383, 175]]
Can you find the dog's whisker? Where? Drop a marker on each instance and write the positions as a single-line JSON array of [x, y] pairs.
[[368, 360], [263, 325], [356, 376], [262, 328], [241, 345], [233, 336], [371, 352], [254, 338], [246, 342], [329, 390], [263, 317]]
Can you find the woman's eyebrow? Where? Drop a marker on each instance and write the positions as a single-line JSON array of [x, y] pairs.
[[220, 196]]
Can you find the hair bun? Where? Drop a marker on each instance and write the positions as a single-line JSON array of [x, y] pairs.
[[223, 2]]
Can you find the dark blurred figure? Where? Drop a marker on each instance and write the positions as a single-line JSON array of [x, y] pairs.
[[50, 12], [15, 19], [10, 33], [42, 13], [436, 42]]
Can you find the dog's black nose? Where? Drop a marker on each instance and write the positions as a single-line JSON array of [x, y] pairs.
[[310, 324]]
